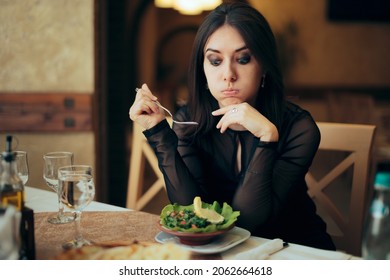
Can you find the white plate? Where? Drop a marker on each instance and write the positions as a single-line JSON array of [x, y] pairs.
[[220, 244]]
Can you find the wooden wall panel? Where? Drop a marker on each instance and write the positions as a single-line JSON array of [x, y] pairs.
[[45, 112]]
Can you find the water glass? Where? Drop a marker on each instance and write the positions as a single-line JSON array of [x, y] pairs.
[[77, 191]]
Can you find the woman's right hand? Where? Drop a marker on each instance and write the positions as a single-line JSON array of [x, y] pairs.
[[144, 110]]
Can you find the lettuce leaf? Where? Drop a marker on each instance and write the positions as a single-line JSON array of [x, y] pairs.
[[230, 216]]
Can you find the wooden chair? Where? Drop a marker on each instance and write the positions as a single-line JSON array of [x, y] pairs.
[[340, 184], [137, 195]]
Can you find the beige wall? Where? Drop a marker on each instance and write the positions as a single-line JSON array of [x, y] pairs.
[[48, 46], [334, 54]]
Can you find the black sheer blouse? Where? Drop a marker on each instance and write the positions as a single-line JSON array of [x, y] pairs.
[[269, 190]]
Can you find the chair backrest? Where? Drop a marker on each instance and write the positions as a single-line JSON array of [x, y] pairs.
[[138, 196], [339, 181]]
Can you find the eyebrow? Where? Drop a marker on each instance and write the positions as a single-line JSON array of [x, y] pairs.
[[217, 51]]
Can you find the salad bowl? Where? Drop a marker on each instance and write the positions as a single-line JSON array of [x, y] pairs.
[[194, 238], [198, 223]]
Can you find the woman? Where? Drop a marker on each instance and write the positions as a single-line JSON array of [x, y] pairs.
[[251, 148]]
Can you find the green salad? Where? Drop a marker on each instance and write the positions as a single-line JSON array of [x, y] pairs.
[[183, 218]]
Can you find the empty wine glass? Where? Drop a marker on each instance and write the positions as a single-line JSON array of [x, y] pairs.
[[77, 191], [22, 165], [53, 161]]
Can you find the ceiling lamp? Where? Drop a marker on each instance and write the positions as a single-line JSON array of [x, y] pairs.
[[163, 3], [188, 7]]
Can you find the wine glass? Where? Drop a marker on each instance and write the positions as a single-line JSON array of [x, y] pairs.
[[22, 165], [77, 191], [53, 161]]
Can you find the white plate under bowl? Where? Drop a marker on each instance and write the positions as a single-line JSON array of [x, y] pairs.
[[220, 244]]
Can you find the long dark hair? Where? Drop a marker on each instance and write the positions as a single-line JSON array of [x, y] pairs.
[[260, 40]]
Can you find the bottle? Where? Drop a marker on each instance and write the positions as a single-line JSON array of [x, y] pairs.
[[11, 186], [12, 193], [376, 241]]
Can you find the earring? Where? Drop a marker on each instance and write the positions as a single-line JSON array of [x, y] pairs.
[[263, 81]]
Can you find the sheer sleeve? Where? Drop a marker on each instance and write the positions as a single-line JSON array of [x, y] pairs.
[[274, 174], [182, 172]]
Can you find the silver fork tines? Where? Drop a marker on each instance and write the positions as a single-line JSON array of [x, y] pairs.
[[169, 113]]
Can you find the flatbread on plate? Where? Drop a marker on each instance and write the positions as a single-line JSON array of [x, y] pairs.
[[134, 251]]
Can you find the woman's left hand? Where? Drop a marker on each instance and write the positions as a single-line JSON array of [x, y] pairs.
[[245, 117]]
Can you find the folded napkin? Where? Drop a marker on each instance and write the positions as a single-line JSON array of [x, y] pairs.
[[261, 252]]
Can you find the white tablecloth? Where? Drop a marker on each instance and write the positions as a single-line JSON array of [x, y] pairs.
[[46, 201]]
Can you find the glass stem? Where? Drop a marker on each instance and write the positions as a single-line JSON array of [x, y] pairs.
[[77, 221], [60, 206]]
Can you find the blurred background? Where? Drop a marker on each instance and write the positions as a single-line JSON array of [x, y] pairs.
[[68, 70]]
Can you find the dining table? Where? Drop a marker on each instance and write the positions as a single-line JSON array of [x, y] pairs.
[[104, 223]]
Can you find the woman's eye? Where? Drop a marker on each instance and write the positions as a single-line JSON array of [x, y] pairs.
[[215, 62], [244, 59]]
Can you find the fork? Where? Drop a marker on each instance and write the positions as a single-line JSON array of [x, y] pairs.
[[169, 113]]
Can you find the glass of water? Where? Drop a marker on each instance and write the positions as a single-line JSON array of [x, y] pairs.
[[77, 191]]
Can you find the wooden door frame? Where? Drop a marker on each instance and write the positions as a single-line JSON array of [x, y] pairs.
[[99, 113]]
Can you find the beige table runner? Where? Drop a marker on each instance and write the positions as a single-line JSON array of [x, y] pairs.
[[96, 226]]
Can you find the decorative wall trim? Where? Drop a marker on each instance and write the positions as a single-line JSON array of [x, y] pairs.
[[45, 112]]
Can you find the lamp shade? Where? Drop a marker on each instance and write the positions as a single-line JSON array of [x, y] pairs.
[[164, 3], [188, 7]]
